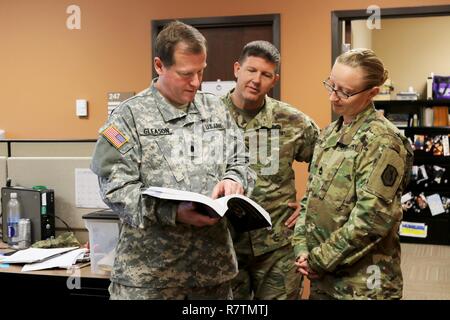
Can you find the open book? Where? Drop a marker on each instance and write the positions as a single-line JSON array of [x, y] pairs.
[[242, 212]]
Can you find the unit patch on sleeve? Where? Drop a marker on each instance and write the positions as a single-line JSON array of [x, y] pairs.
[[386, 175], [389, 176], [113, 135]]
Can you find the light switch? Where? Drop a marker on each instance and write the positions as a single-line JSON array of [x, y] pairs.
[[82, 107]]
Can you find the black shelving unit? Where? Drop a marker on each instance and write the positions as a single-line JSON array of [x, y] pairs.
[[439, 225], [410, 106]]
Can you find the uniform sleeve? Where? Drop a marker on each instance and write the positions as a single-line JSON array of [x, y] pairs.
[[237, 167], [299, 238], [305, 142], [117, 166], [379, 173]]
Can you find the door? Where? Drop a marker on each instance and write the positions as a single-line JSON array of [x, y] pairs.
[[226, 37]]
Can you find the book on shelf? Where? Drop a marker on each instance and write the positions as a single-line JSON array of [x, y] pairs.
[[407, 96], [427, 116], [440, 116], [242, 212], [398, 119]]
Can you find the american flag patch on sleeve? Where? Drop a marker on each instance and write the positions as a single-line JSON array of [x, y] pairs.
[[114, 136]]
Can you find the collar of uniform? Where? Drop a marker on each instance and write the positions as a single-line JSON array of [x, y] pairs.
[[333, 137], [240, 121], [168, 111], [346, 135], [353, 128], [197, 106], [263, 119]]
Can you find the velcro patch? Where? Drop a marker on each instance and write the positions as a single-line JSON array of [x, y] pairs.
[[113, 135], [385, 178], [157, 132], [213, 126], [389, 176]]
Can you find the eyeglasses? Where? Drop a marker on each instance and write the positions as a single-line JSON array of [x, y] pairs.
[[340, 94]]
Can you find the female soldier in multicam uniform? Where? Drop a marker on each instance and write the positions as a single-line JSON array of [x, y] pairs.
[[346, 238]]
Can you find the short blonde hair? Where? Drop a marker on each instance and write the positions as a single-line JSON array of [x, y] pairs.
[[375, 73]]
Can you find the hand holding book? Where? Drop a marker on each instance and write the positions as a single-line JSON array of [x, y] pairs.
[[243, 213], [226, 187], [195, 214]]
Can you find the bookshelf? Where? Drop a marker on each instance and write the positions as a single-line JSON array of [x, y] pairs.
[[431, 172]]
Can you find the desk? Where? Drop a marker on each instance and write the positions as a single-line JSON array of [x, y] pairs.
[[56, 283]]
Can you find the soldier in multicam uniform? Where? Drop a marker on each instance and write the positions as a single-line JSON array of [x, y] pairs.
[[168, 135], [284, 134], [346, 239]]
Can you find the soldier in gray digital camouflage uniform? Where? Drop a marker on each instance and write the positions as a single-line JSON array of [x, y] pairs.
[[281, 135], [170, 135], [346, 239]]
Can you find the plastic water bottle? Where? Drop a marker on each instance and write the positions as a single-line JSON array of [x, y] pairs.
[[13, 216]]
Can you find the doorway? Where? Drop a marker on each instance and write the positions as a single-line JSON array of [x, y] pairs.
[[226, 36]]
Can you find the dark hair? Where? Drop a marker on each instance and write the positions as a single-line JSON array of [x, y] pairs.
[[262, 49], [174, 33], [366, 59]]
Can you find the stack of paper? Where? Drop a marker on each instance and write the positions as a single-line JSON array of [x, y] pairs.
[[64, 261], [40, 259]]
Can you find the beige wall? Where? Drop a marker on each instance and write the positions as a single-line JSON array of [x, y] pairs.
[[3, 149], [361, 35], [3, 173], [412, 48], [45, 66]]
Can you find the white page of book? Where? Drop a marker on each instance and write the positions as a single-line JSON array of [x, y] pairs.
[[179, 195]]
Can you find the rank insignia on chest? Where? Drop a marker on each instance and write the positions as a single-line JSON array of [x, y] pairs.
[[389, 176], [114, 136], [213, 126], [157, 132]]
